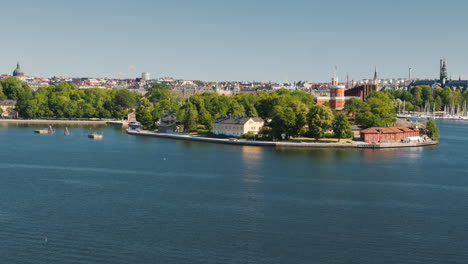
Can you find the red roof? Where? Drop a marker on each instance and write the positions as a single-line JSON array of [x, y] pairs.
[[388, 130]]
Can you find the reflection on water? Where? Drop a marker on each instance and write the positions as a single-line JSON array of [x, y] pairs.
[[345, 154], [251, 162], [371, 155], [319, 154]]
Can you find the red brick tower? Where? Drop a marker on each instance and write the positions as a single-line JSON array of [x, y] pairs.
[[337, 97]]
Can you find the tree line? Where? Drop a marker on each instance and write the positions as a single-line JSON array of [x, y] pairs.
[[419, 97], [65, 100]]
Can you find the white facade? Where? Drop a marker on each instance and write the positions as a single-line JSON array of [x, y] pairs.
[[145, 76], [250, 126]]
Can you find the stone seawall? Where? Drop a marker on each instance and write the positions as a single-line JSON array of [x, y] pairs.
[[279, 144]]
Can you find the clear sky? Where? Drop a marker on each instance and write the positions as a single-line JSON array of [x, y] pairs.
[[236, 39]]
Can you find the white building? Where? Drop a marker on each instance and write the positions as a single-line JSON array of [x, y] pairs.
[[145, 76], [236, 125]]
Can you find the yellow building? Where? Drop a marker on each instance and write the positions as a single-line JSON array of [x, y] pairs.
[[236, 125], [7, 108]]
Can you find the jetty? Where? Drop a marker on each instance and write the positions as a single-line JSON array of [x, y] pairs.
[[282, 144], [122, 123], [95, 136], [44, 131]]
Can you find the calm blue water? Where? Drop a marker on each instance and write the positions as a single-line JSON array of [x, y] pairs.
[[128, 199]]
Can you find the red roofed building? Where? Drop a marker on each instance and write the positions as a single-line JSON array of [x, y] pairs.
[[379, 134]]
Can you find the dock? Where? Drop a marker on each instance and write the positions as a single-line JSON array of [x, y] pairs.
[[95, 136], [42, 131]]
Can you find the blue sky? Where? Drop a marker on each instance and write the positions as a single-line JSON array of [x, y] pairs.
[[235, 40]]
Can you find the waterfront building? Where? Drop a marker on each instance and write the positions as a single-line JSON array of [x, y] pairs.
[[385, 134], [237, 125], [7, 108], [168, 123]]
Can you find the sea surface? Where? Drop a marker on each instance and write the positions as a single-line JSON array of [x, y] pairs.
[[129, 199]]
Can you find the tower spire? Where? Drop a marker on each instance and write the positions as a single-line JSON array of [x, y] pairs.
[[335, 76], [375, 76], [443, 72]]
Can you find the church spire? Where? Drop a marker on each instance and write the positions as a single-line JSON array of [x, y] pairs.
[[375, 76], [443, 73]]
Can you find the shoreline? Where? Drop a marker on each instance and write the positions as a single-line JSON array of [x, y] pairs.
[[281, 144], [52, 121]]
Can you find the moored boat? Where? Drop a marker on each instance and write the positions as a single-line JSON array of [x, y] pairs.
[[134, 125]]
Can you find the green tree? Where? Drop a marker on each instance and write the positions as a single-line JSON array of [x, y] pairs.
[[426, 93], [2, 95], [248, 103], [432, 130], [13, 89], [188, 116], [122, 102], [304, 97], [144, 113], [416, 93], [205, 118], [158, 92], [368, 119], [283, 122], [342, 128], [383, 109], [354, 105], [234, 108], [164, 106], [28, 108], [266, 104], [319, 120]]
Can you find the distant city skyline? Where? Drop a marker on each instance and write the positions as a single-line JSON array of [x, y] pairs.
[[236, 40]]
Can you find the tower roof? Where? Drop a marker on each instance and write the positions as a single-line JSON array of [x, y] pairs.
[[18, 71]]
